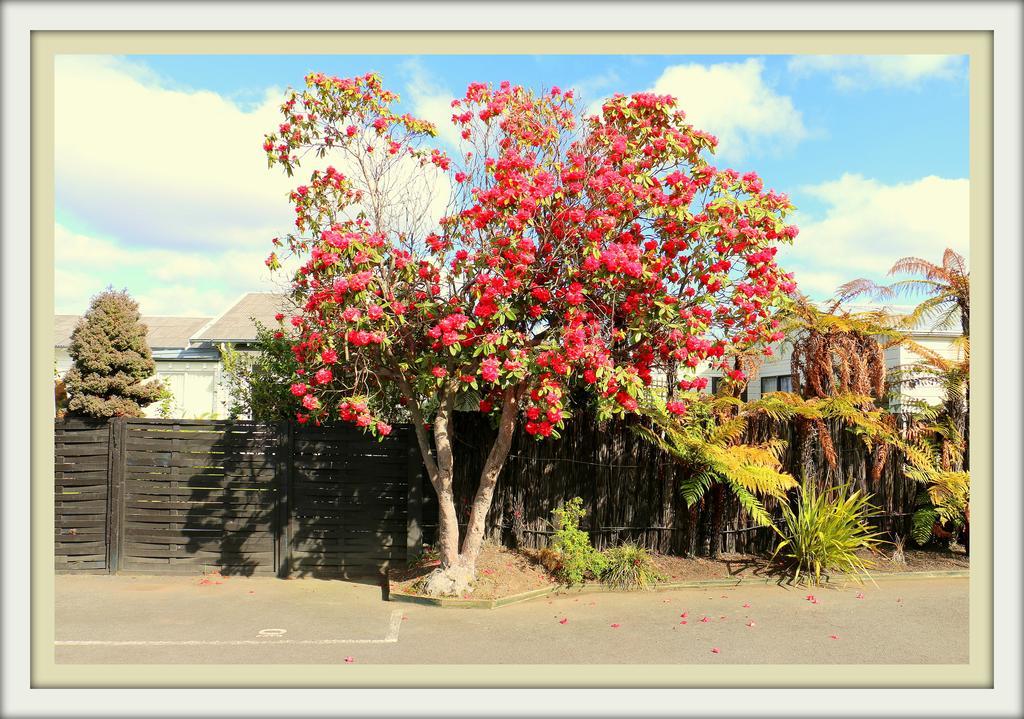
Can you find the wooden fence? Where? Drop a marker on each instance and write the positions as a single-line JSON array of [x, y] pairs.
[[174, 496], [157, 496], [630, 489]]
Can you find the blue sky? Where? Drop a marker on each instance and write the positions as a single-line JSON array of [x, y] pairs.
[[162, 187]]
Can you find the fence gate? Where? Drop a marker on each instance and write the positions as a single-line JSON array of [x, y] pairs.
[[179, 496]]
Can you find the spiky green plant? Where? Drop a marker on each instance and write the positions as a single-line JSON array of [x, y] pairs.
[[824, 532], [629, 567]]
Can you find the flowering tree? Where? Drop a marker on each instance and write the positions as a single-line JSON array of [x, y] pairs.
[[549, 251]]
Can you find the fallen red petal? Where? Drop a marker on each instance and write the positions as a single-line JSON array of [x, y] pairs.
[[683, 622], [715, 650], [615, 626], [833, 636], [746, 605], [563, 620], [350, 660], [705, 620]]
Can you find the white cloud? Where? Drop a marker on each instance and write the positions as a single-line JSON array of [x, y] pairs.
[[173, 186], [733, 102], [195, 281], [178, 168], [868, 225], [859, 71], [431, 100], [593, 90]]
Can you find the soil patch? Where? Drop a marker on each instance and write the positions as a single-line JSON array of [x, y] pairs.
[[502, 572], [924, 560]]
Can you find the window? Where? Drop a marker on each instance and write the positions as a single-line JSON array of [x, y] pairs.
[[777, 383]]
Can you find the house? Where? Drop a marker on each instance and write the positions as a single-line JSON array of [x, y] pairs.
[[187, 351], [187, 354], [775, 372], [191, 373]]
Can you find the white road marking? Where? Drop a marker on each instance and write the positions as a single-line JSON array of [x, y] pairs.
[[394, 625]]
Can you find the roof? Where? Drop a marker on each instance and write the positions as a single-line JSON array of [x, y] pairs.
[[162, 332], [236, 323]]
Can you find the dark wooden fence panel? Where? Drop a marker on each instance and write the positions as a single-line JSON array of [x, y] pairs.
[[199, 495], [348, 496], [631, 490], [81, 495], [177, 496]]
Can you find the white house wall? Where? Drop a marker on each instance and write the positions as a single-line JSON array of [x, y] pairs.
[[195, 386], [194, 389], [943, 346]]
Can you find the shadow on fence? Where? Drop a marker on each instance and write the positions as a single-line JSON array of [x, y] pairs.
[[242, 498]]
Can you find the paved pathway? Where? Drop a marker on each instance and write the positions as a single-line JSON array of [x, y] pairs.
[[141, 620]]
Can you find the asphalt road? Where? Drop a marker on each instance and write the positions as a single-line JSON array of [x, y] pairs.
[[170, 620]]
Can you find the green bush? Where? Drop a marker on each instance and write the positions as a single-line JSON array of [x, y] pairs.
[[112, 363], [629, 567], [258, 382], [578, 559], [824, 532]]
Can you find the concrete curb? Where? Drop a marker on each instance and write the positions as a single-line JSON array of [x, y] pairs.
[[452, 603]]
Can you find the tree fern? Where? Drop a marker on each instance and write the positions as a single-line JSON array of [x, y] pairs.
[[709, 446]]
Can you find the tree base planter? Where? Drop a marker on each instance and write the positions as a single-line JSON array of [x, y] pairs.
[[837, 582], [453, 581]]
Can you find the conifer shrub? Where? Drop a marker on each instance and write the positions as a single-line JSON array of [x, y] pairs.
[[112, 361]]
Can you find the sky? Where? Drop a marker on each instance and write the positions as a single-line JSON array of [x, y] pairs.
[[162, 186]]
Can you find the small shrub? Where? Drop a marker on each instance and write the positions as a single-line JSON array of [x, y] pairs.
[[578, 560], [629, 567], [427, 557], [824, 532]]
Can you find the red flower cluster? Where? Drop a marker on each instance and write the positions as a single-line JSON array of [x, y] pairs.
[[580, 252]]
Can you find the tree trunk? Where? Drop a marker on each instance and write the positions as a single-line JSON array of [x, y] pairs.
[[458, 569], [448, 522], [488, 480]]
